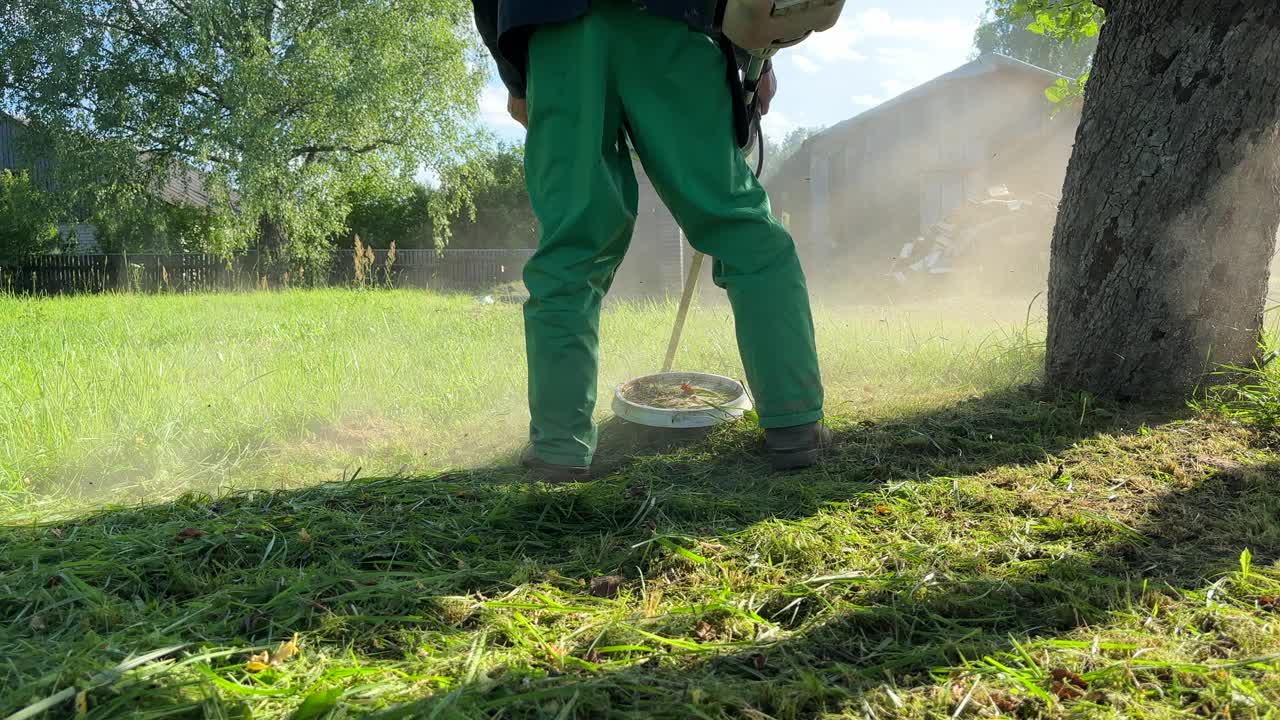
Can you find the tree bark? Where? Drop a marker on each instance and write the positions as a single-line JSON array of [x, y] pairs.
[[273, 244], [1161, 253]]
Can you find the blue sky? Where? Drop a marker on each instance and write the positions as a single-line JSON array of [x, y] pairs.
[[878, 50]]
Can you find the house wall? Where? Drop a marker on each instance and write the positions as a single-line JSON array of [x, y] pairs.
[[870, 186], [12, 156], [8, 144], [658, 255]]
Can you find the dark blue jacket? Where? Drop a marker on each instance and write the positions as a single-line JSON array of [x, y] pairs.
[[505, 26]]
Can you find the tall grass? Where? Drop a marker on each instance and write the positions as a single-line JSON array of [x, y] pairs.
[[126, 396]]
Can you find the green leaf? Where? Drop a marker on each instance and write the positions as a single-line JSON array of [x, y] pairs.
[[682, 551], [1058, 92], [317, 704]]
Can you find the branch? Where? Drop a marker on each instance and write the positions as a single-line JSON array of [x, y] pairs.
[[182, 10], [312, 150], [269, 23], [148, 36]]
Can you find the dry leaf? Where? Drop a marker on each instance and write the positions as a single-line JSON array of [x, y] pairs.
[[287, 650], [1067, 685], [1005, 703], [607, 586], [258, 662], [1066, 676], [1064, 691], [263, 660], [304, 536]]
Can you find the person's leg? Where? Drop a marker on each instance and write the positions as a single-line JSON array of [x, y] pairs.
[[677, 104], [584, 195]]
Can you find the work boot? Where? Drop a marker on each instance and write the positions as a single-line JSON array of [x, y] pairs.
[[796, 447], [551, 473]]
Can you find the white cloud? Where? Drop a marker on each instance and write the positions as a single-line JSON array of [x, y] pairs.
[[944, 34], [833, 45], [890, 55], [777, 124], [942, 37], [493, 109], [892, 88], [804, 64]]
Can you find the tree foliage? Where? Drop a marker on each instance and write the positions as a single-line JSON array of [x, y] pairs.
[[777, 153], [1058, 35], [1074, 21], [501, 215], [287, 106], [1015, 29], [497, 216], [27, 223]]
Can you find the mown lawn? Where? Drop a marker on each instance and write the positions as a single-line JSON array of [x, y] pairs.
[[972, 547]]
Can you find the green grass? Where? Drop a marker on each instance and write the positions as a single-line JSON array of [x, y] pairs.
[[131, 397], [970, 548]]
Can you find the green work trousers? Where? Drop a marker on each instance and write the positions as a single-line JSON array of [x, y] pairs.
[[616, 73]]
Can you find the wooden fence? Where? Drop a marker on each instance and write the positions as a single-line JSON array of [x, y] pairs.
[[199, 272]]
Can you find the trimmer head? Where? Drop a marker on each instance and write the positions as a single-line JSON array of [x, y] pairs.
[[770, 25]]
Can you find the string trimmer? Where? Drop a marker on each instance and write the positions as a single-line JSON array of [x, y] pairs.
[[765, 27]]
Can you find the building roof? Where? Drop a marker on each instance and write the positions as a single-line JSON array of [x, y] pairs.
[[986, 64], [182, 185], [983, 65]]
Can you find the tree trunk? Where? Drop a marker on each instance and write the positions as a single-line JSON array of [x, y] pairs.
[[273, 244], [1161, 253]]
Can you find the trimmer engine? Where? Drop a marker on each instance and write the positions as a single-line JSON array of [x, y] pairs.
[[763, 27]]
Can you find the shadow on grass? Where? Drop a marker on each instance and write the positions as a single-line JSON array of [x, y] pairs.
[[928, 509]]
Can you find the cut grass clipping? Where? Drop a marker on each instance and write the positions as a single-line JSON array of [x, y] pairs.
[[969, 549], [674, 395]]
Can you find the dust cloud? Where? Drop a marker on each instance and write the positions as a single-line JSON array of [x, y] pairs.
[[946, 193]]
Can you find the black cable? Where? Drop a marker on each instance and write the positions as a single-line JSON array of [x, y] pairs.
[[759, 147]]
